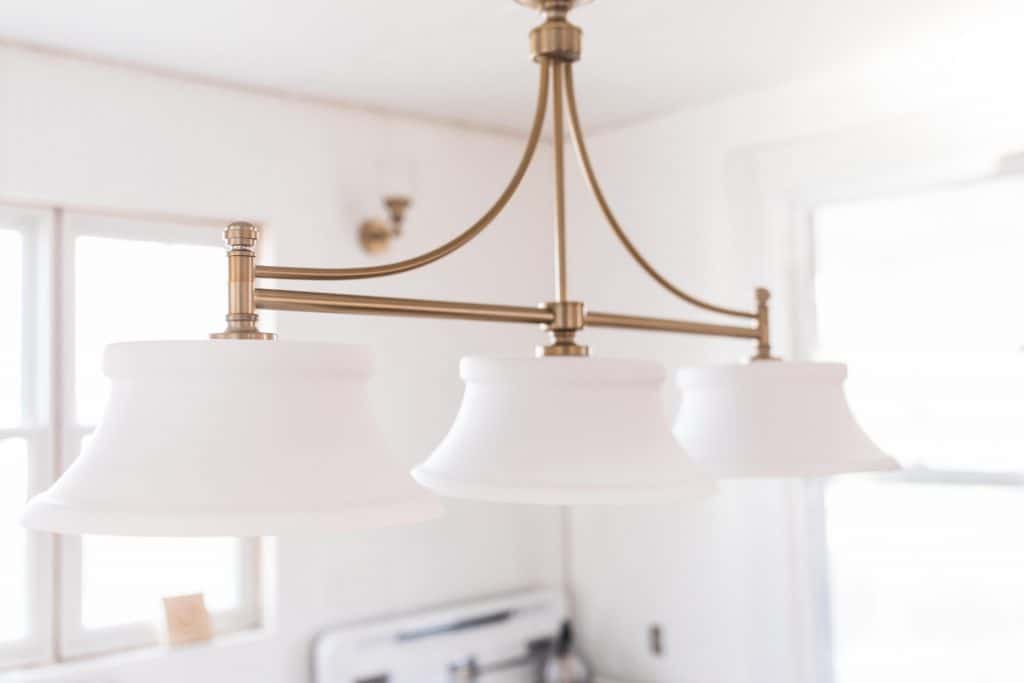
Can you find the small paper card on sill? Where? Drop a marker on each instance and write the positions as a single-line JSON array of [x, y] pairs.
[[187, 619]]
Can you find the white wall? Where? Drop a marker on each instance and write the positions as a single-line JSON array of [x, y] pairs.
[[717, 196], [78, 133]]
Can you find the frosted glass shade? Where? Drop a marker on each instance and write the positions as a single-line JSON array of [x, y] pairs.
[[562, 431], [773, 419], [233, 438]]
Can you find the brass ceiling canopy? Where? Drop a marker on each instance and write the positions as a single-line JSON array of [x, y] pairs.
[[555, 45]]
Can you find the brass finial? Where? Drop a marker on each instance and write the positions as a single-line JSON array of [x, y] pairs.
[[764, 345]]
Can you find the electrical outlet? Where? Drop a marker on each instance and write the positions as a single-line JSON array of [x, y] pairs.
[[654, 640]]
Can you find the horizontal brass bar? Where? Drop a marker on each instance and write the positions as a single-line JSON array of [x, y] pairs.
[[323, 302], [634, 322]]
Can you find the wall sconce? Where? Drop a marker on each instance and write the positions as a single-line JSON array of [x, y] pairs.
[[375, 233]]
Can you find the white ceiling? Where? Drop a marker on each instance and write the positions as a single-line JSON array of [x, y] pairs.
[[468, 59]]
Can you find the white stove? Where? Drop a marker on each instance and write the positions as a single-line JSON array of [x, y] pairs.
[[489, 641]]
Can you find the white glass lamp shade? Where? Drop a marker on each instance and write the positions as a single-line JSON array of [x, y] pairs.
[[773, 419], [562, 431], [233, 438]]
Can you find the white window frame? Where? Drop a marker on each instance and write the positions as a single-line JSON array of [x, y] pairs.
[[37, 234], [49, 236], [811, 557]]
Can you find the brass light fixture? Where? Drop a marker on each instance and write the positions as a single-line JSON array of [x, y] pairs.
[[556, 45], [558, 429], [375, 234]]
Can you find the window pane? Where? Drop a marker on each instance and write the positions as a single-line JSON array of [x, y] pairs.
[[132, 290], [128, 290], [927, 582], [124, 578], [920, 296], [13, 540], [11, 315]]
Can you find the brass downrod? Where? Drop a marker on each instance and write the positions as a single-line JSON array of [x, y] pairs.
[[558, 131], [568, 315]]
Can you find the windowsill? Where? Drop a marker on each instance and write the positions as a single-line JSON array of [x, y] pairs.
[[62, 671]]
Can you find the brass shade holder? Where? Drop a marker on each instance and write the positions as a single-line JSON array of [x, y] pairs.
[[242, 319], [375, 234], [555, 45]]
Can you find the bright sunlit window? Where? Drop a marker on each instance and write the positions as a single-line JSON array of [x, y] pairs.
[[23, 600], [14, 618], [69, 285], [920, 295], [13, 458]]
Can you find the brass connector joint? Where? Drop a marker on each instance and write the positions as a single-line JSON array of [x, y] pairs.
[[569, 317], [240, 239], [556, 39]]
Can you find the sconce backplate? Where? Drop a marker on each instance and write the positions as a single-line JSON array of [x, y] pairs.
[[375, 235]]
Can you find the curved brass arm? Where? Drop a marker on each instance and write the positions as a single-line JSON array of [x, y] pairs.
[[291, 273], [595, 188]]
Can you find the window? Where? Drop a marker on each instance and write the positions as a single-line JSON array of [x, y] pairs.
[[920, 295], [70, 283], [25, 449]]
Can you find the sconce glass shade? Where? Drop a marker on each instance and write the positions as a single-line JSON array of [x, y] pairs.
[[233, 438], [562, 431], [773, 419]]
